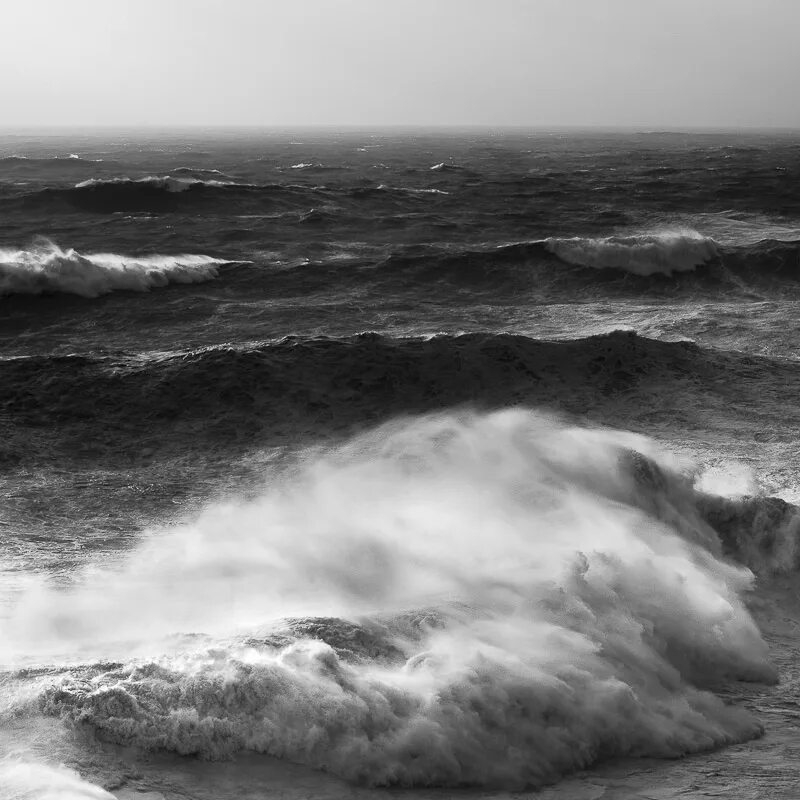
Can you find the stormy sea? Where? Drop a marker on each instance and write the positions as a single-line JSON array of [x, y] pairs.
[[399, 463]]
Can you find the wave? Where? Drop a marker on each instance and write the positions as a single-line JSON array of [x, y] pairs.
[[315, 166], [157, 194], [193, 171], [409, 190], [350, 378], [458, 599], [645, 254], [72, 160], [167, 182], [45, 269], [226, 398], [554, 266], [446, 167]]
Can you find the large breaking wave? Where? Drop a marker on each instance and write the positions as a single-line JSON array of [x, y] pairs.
[[448, 600], [645, 254], [45, 268]]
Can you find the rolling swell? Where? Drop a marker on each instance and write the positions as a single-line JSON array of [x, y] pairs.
[[71, 163], [226, 399], [549, 269], [158, 195], [361, 377]]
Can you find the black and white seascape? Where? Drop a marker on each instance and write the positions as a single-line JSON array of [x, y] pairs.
[[378, 450]]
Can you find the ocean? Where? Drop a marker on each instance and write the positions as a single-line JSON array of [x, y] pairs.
[[344, 463]]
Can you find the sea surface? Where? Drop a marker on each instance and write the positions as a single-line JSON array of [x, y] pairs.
[[399, 463]]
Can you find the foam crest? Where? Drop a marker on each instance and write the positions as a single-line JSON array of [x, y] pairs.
[[524, 598], [383, 187], [444, 166], [46, 268], [166, 183], [644, 254]]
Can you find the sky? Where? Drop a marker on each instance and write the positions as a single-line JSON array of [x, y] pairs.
[[543, 63]]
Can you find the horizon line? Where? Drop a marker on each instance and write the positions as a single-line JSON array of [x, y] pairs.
[[357, 127]]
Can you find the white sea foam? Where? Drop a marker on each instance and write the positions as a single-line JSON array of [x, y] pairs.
[[46, 268], [644, 254], [572, 605], [28, 780]]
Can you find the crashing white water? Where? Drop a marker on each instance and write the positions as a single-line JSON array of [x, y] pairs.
[[644, 254], [45, 268], [463, 599]]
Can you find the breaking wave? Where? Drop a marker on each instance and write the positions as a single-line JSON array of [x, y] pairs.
[[46, 268], [645, 254], [552, 267], [450, 600]]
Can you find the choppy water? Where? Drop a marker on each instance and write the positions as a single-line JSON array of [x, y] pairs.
[[420, 459]]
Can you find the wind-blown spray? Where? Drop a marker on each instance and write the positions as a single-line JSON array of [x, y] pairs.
[[456, 599]]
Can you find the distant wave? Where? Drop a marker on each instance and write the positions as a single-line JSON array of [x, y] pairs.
[[316, 216], [71, 160], [46, 268], [547, 265], [315, 166], [192, 171], [685, 261], [160, 194], [409, 190], [49, 169], [167, 182], [643, 254], [446, 167], [152, 193]]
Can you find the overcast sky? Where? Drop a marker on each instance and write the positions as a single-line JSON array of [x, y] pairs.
[[644, 63]]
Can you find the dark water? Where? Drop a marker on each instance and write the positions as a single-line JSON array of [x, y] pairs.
[[205, 320]]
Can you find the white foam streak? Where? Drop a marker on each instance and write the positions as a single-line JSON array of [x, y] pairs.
[[577, 607], [645, 254], [46, 268]]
